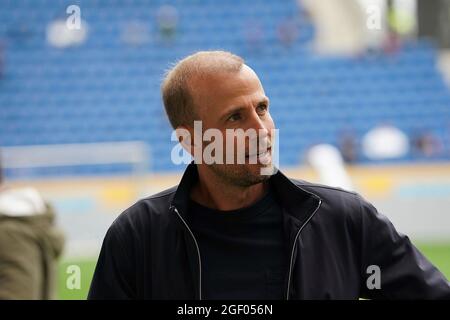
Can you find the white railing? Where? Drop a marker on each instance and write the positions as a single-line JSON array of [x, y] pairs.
[[135, 153]]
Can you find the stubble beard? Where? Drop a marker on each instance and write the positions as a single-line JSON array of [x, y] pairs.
[[239, 175]]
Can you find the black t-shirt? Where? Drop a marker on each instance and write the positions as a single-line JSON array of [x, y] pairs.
[[243, 254]]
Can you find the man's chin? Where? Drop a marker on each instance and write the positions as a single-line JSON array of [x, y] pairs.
[[252, 179], [244, 175], [259, 172]]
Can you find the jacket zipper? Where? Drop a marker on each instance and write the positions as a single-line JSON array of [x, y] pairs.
[[293, 248], [292, 252], [198, 252]]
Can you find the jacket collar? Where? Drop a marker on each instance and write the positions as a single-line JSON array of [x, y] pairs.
[[298, 202]]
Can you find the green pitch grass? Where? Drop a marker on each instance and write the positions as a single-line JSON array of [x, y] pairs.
[[438, 254], [87, 267]]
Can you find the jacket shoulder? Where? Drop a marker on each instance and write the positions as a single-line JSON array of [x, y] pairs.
[[324, 191], [340, 202], [161, 195], [144, 211]]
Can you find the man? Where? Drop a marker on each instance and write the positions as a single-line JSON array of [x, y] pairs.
[[228, 231], [30, 245]]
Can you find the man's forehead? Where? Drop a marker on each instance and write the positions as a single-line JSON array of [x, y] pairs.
[[224, 84]]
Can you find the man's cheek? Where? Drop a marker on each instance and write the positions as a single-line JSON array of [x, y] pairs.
[[271, 125]]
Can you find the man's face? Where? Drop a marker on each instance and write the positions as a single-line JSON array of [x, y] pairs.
[[237, 101]]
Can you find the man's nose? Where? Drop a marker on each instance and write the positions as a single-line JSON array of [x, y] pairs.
[[261, 130], [258, 124]]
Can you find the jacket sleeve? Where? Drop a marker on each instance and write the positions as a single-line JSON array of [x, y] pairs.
[[21, 275], [403, 270], [113, 273]]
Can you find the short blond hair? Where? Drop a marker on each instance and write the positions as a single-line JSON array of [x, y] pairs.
[[176, 91]]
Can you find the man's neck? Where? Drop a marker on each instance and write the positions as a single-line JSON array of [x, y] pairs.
[[215, 193]]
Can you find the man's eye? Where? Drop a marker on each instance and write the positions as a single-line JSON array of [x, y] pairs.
[[234, 117], [261, 109]]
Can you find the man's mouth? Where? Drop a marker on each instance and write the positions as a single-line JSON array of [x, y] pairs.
[[263, 156]]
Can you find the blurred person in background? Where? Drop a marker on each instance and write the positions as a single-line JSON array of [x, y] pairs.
[[426, 144], [30, 244], [348, 145], [167, 20], [400, 26], [287, 31]]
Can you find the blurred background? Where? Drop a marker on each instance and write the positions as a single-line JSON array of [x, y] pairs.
[[359, 90]]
